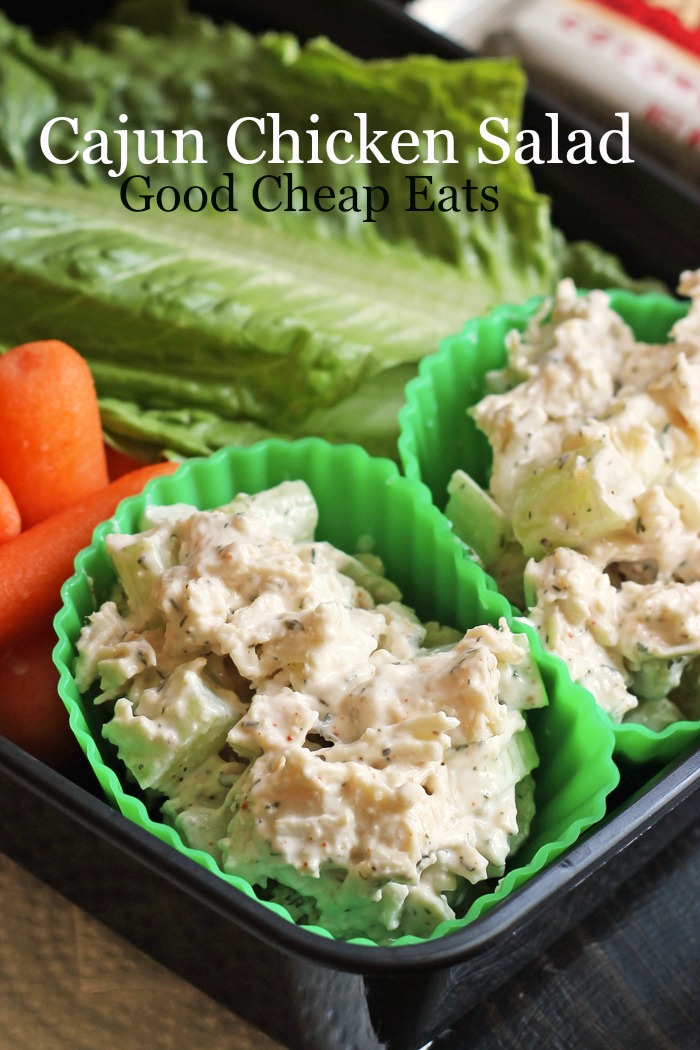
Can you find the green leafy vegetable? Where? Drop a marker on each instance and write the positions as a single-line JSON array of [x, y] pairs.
[[207, 328]]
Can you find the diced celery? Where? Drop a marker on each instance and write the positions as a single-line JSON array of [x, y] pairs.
[[199, 810], [525, 805], [580, 497], [367, 571], [683, 488], [521, 684], [192, 722], [171, 513], [476, 518], [656, 714], [686, 697], [508, 573], [289, 510], [657, 676], [139, 563], [438, 636]]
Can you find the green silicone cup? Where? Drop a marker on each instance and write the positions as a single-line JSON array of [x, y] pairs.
[[437, 437], [363, 503]]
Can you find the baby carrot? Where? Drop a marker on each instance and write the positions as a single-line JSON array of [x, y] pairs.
[[31, 712], [119, 463], [34, 564], [10, 521], [51, 448]]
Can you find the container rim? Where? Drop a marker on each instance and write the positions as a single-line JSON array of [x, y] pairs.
[[669, 788]]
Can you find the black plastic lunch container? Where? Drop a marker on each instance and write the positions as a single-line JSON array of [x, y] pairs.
[[308, 992]]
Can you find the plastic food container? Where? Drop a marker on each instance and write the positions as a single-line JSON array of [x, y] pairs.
[[437, 436], [307, 991]]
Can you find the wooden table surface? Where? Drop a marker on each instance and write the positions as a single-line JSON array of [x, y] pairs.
[[627, 978]]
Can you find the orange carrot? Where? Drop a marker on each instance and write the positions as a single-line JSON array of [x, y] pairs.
[[10, 521], [51, 448], [119, 463], [34, 564], [31, 712]]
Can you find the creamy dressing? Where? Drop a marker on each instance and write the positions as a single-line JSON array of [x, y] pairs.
[[596, 463], [289, 706]]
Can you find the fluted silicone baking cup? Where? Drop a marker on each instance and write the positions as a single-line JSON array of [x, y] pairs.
[[437, 436], [363, 502]]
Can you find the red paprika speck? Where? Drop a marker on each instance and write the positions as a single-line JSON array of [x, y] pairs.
[[244, 805]]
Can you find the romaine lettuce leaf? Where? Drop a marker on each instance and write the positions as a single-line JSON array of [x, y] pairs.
[[264, 322]]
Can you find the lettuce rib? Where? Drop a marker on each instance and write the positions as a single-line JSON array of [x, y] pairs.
[[282, 322]]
